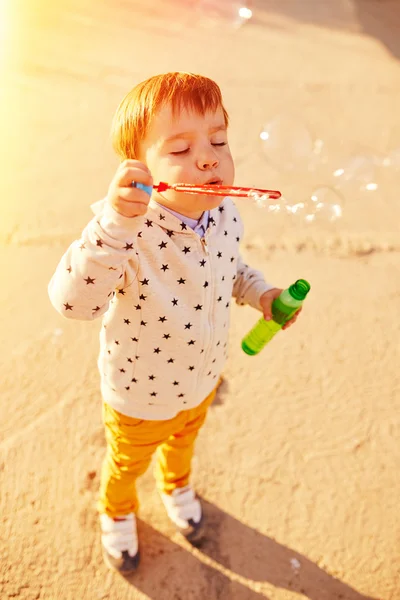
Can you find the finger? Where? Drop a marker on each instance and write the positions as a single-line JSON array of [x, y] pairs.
[[126, 176], [133, 195], [131, 209], [131, 163]]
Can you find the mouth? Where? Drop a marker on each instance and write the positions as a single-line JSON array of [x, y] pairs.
[[214, 181]]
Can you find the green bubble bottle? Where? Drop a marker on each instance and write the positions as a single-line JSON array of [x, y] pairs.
[[283, 308]]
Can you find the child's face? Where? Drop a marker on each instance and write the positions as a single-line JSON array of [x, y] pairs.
[[198, 153]]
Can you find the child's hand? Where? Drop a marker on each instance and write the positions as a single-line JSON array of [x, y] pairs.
[[266, 304], [125, 199]]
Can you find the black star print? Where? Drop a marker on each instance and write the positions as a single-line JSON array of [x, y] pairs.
[[181, 280], [181, 396], [149, 223], [170, 233], [116, 342], [142, 297], [152, 377], [183, 226], [162, 319], [153, 394], [171, 360], [218, 343], [219, 299], [135, 339], [144, 282], [232, 258], [214, 360], [127, 387], [219, 255], [144, 323], [238, 239], [99, 243], [139, 234], [198, 307], [212, 220], [138, 307], [137, 357], [188, 325], [134, 380], [96, 309], [223, 278], [175, 302], [82, 246], [205, 284], [89, 280], [202, 262], [191, 342], [162, 245], [109, 351], [186, 249], [161, 217], [221, 209], [235, 219], [164, 268], [122, 370], [175, 383], [129, 360], [225, 232], [209, 373], [191, 368], [128, 246], [127, 321], [157, 350], [166, 336], [69, 269], [68, 306]]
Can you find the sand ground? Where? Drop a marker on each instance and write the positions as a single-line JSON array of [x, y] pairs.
[[298, 463]]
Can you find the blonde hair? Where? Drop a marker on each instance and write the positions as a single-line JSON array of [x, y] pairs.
[[181, 90]]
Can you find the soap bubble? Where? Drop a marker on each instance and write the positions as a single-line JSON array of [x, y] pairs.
[[214, 13], [288, 144], [358, 171], [392, 160], [325, 205]]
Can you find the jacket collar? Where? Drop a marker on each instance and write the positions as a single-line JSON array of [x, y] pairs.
[[164, 218]]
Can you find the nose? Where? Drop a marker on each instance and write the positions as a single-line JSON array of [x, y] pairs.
[[206, 163]]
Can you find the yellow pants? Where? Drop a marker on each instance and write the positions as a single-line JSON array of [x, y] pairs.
[[130, 445]]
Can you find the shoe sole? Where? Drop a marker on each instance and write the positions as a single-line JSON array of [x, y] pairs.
[[195, 536], [113, 567]]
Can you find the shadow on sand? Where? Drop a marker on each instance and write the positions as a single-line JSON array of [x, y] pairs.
[[229, 563]]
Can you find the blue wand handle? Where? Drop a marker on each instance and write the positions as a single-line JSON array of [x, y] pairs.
[[140, 186]]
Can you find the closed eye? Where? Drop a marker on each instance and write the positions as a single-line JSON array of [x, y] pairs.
[[187, 149], [181, 151]]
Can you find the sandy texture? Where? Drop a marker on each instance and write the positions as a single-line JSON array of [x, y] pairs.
[[298, 463]]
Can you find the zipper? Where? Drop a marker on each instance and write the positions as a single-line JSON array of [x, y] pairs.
[[204, 244], [211, 291]]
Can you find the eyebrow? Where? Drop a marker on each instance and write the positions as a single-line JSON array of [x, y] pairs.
[[189, 133]]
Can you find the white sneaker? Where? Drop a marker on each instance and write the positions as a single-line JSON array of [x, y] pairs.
[[184, 510], [120, 542]]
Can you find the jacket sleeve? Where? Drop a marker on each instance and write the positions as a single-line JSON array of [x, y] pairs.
[[249, 285], [94, 266]]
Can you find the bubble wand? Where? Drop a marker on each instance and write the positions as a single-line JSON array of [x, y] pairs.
[[212, 190]]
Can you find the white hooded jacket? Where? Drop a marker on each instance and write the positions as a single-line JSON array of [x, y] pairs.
[[164, 294]]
